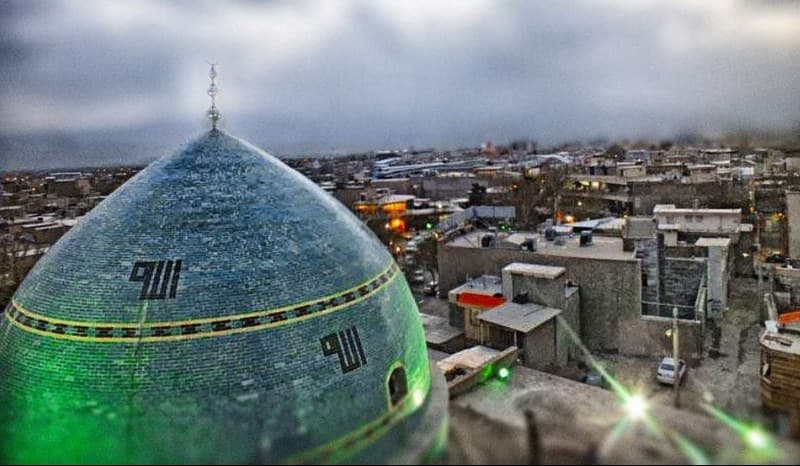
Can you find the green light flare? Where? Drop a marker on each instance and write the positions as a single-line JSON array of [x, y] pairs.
[[616, 433], [636, 407], [690, 450], [503, 374], [726, 419], [486, 373], [758, 442], [615, 386]]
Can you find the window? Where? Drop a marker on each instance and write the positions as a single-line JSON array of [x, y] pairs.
[[397, 385]]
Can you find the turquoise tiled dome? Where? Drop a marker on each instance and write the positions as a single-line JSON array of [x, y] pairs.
[[218, 307]]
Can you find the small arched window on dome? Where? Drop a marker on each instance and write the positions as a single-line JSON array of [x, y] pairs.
[[397, 385]]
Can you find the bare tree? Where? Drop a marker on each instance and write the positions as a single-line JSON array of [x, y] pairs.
[[541, 190]]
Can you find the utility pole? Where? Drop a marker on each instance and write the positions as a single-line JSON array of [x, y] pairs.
[[534, 439], [676, 357]]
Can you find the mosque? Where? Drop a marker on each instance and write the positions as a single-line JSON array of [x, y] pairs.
[[217, 308]]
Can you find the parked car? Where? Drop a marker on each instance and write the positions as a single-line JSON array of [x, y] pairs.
[[593, 377], [431, 288], [776, 258], [666, 371], [596, 378], [418, 277]]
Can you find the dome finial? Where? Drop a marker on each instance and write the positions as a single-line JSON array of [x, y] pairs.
[[213, 90]]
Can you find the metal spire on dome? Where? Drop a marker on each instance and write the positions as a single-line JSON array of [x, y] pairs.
[[213, 90]]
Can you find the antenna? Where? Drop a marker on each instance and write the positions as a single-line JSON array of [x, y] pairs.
[[213, 90]]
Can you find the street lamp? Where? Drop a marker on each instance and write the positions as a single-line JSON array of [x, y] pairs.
[[676, 357]]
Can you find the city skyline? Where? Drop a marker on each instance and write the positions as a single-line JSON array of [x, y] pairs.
[[122, 82]]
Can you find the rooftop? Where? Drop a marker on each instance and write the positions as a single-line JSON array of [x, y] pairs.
[[471, 358], [438, 330], [535, 270], [519, 317], [707, 242], [783, 342], [604, 248], [485, 284], [671, 209]]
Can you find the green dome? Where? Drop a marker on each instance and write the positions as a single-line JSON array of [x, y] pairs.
[[218, 307]]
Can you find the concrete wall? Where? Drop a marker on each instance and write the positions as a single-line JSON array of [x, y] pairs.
[[445, 188], [646, 336], [647, 251], [701, 221], [610, 290], [566, 347], [539, 350], [548, 293], [718, 273], [789, 279], [679, 282], [472, 327]]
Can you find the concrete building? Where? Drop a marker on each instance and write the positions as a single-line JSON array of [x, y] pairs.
[[530, 309], [450, 185], [702, 172], [631, 170], [780, 367], [469, 300], [639, 195], [793, 214], [12, 212], [678, 274], [608, 278], [718, 274], [718, 222], [681, 227], [531, 328]]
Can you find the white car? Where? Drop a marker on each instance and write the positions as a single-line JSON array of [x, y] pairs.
[[666, 371]]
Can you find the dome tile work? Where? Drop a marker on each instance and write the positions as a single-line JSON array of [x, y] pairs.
[[217, 308]]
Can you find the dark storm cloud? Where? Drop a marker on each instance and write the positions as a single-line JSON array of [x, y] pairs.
[[317, 75]]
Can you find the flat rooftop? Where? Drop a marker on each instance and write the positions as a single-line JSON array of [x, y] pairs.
[[489, 285], [603, 247], [671, 209], [782, 341], [707, 242], [470, 358], [535, 270], [438, 330], [522, 318]]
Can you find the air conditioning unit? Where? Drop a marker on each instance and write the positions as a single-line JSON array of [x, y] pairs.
[[586, 238]]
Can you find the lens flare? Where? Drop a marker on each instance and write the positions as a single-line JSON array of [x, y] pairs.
[[636, 407], [503, 374]]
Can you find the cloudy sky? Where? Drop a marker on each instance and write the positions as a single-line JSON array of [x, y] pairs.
[[130, 76]]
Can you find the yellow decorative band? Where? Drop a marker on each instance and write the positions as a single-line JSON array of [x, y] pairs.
[[199, 328]]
